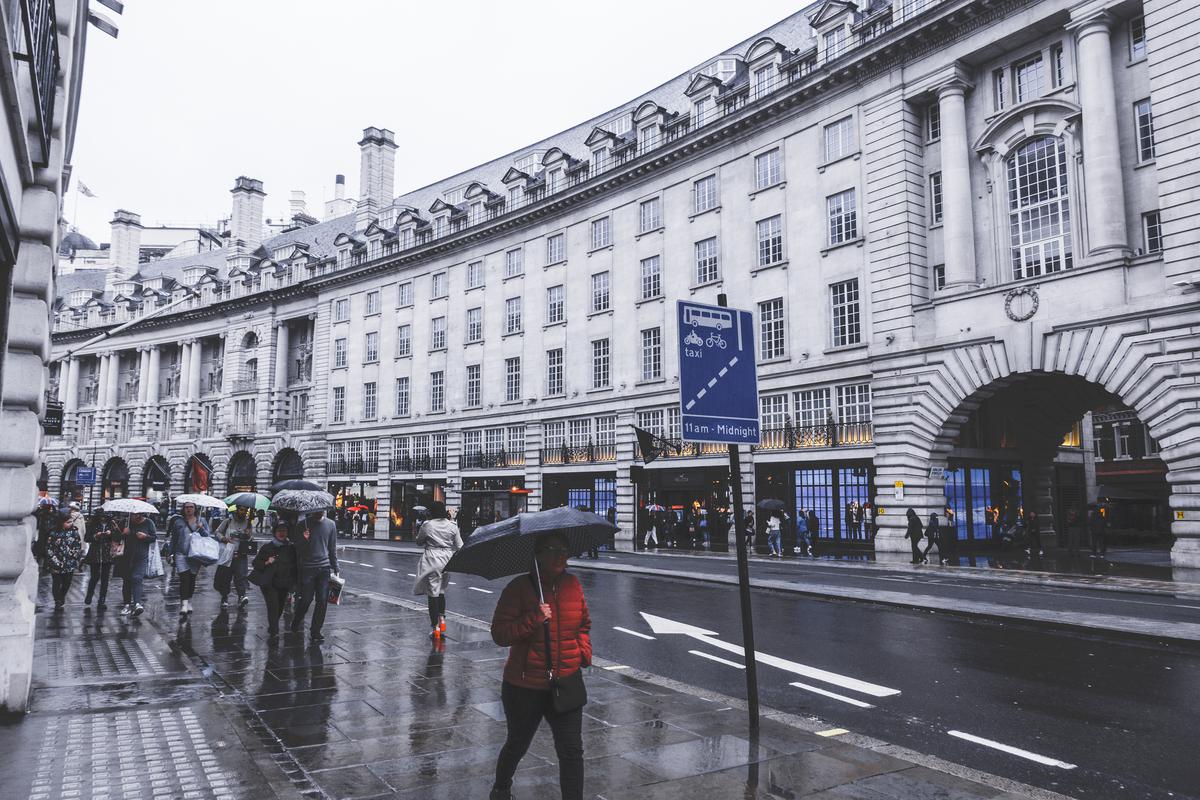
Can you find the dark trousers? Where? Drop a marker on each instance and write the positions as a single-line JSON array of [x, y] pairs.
[[314, 584], [275, 599], [61, 584], [230, 576], [916, 548], [131, 585], [930, 543], [1100, 542], [187, 585], [437, 608], [524, 710], [98, 574]]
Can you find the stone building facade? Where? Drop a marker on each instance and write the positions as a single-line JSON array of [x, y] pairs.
[[961, 225]]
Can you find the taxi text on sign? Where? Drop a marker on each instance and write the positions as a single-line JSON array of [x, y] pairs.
[[718, 384]]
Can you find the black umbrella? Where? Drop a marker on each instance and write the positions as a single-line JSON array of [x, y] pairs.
[[771, 504], [301, 501], [297, 484], [506, 547]]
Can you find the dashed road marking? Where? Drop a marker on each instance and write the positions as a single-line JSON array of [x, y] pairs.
[[1015, 751], [389, 569], [717, 659], [346, 561], [477, 589], [833, 695], [833, 732], [632, 633], [617, 667]]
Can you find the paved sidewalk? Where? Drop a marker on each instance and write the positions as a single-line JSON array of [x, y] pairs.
[[152, 708]]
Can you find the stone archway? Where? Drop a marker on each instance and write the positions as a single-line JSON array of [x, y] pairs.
[[288, 466], [156, 477], [197, 475], [242, 473], [920, 412], [114, 479], [68, 489]]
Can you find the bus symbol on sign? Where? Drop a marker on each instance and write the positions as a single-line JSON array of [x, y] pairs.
[[699, 317]]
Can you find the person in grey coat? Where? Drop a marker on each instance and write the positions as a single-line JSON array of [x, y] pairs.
[[181, 527], [442, 539], [316, 552]]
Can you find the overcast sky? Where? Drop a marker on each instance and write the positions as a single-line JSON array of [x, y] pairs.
[[194, 94]]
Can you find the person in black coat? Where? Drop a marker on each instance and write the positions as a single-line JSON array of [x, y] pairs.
[[913, 534], [932, 537], [275, 572], [101, 533]]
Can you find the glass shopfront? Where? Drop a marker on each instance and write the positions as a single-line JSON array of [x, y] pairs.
[[592, 490], [985, 498], [349, 498], [692, 506], [115, 482], [406, 497], [487, 500], [836, 492]]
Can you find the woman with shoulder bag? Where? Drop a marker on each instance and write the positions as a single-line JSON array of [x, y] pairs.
[[64, 551], [99, 557], [181, 528], [274, 572], [236, 535], [527, 694]]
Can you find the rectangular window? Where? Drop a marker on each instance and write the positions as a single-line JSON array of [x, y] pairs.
[[554, 372], [554, 181], [999, 89], [474, 325], [764, 80], [770, 329], [440, 286], [403, 341], [650, 215], [839, 139], [437, 391], [601, 364], [843, 217], [599, 160], [370, 406], [704, 194], [707, 268], [651, 277], [812, 408], [372, 303], [1058, 72], [339, 404], [773, 412], [770, 240], [835, 43], [600, 292], [339, 353], [768, 169], [1029, 79], [473, 385], [437, 333], [555, 305], [1137, 38], [514, 263], [701, 111], [933, 122], [1144, 119], [404, 295], [402, 404], [601, 233], [514, 197], [939, 277], [847, 327], [854, 403], [935, 197], [1152, 225], [512, 379], [651, 354], [474, 274], [341, 310], [371, 347], [652, 421], [554, 434], [512, 315], [556, 249]]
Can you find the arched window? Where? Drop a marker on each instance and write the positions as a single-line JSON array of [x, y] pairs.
[[1039, 220]]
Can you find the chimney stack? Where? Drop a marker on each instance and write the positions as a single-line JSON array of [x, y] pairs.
[[339, 187], [376, 174], [297, 204], [246, 224], [124, 249]]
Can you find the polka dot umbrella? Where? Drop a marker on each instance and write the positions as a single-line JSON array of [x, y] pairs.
[[506, 547]]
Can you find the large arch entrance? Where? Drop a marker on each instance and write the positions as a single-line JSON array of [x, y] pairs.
[[197, 475], [156, 479], [288, 466], [68, 488], [243, 473], [114, 481]]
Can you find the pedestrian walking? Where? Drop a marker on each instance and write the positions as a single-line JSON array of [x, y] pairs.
[[441, 539], [79, 523], [1097, 530], [803, 540], [236, 535], [137, 537], [525, 693], [913, 534], [748, 531], [99, 538], [361, 518], [932, 539], [275, 572], [64, 552], [180, 529], [651, 531], [812, 524], [868, 513], [316, 552], [1033, 534], [774, 534], [857, 519], [948, 541]]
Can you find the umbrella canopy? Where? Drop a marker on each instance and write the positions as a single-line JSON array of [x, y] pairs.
[[506, 547], [199, 500], [47, 501], [655, 507], [254, 500], [303, 485], [302, 500], [420, 509], [359, 507], [771, 504], [127, 505]]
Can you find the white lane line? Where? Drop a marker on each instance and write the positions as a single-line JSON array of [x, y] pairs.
[[616, 667], [477, 589], [825, 676], [1016, 751], [834, 695], [364, 564], [718, 659], [833, 732], [347, 561], [452, 583], [632, 633], [411, 574], [389, 569]]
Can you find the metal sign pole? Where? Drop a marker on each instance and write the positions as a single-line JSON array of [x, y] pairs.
[[743, 567]]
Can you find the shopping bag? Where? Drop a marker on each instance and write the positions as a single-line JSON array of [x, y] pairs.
[[336, 582], [228, 551], [154, 563], [203, 550]]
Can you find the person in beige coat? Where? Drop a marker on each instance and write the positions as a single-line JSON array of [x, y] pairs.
[[441, 539]]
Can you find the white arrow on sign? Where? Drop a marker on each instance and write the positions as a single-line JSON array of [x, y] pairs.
[[664, 626]]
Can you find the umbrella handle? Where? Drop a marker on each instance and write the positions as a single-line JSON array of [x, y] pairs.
[[545, 623]]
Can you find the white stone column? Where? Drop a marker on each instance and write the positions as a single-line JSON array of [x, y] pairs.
[[143, 385], [71, 401], [958, 219], [185, 370], [194, 370], [152, 375], [1101, 138], [64, 368]]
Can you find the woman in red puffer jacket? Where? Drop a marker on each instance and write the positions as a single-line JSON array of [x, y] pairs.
[[517, 625]]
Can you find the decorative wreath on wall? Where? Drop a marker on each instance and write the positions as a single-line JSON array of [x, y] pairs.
[[1021, 304]]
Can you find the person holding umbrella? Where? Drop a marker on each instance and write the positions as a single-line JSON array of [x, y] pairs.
[[181, 528], [139, 536], [442, 540], [275, 573], [236, 533], [100, 536]]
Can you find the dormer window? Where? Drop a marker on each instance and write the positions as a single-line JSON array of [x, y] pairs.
[[835, 43], [514, 196], [722, 69], [620, 126], [80, 296], [454, 196], [764, 80], [529, 163], [406, 238], [192, 275], [702, 110], [599, 159], [439, 226], [555, 181]]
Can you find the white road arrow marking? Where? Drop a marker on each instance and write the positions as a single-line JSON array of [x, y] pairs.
[[1016, 751], [717, 659], [662, 625], [834, 695], [632, 633]]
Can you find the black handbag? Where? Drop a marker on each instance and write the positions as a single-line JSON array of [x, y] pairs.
[[568, 693], [263, 576]]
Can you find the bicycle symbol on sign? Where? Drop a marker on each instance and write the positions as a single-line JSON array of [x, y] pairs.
[[715, 340]]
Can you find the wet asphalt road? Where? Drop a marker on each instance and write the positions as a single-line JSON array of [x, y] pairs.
[[1122, 711]]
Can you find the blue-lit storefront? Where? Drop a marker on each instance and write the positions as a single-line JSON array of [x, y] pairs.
[[833, 490], [984, 497]]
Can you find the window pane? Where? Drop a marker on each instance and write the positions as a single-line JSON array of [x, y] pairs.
[[770, 241], [1039, 215], [771, 328], [843, 217], [839, 139], [706, 261], [846, 323]]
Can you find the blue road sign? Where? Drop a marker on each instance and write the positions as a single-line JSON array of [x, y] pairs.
[[718, 384], [85, 476]]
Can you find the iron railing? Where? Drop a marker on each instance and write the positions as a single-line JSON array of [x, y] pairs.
[[351, 466], [834, 434], [407, 463], [489, 459], [41, 37], [590, 453]]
